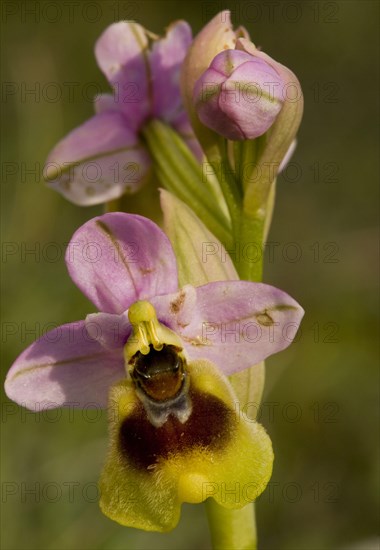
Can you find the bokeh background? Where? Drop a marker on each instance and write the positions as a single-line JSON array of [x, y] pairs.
[[321, 399]]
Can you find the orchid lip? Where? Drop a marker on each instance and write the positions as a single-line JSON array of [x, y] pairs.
[[169, 463]]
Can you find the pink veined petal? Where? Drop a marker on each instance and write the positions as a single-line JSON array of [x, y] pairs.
[[65, 367], [118, 258], [235, 324], [166, 60], [177, 310], [122, 55], [98, 161]]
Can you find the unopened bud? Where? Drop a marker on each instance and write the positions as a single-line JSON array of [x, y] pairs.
[[239, 96]]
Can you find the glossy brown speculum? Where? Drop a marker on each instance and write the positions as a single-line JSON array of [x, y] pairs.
[[159, 374]]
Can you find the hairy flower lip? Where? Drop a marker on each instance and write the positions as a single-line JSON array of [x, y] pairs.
[[220, 321], [221, 422], [150, 472]]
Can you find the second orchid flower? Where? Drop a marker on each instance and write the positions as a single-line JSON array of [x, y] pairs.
[[105, 157]]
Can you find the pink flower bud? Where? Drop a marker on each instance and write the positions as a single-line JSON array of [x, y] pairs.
[[239, 96]]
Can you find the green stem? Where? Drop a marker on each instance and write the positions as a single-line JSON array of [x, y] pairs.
[[250, 249], [250, 151], [236, 529], [231, 529], [218, 158]]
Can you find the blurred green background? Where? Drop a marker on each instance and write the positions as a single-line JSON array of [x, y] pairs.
[[321, 399]]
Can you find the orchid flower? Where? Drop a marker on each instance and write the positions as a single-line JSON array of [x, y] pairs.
[[159, 357], [105, 157]]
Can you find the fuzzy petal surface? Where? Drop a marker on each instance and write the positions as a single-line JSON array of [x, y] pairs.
[[117, 259], [66, 366]]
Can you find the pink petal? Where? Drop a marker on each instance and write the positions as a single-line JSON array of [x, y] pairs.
[[166, 59], [235, 324], [239, 96], [65, 367], [206, 98], [217, 35], [119, 258], [122, 55], [98, 161], [177, 310], [252, 98], [109, 329], [105, 102]]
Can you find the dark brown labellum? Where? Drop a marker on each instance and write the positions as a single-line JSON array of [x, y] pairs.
[[209, 426]]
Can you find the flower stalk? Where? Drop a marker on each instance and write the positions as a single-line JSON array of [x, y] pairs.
[[231, 529], [236, 529]]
